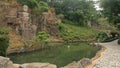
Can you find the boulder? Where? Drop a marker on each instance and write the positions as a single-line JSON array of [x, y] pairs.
[[37, 65], [5, 62], [85, 62]]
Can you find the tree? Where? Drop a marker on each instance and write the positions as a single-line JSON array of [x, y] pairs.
[[79, 11], [36, 5], [111, 10]]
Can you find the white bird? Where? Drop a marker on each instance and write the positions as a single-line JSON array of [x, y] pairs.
[[68, 46]]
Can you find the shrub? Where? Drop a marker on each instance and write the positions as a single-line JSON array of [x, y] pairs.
[[102, 36], [4, 31], [4, 43], [42, 36], [119, 41]]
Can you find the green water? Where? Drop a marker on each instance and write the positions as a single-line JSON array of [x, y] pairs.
[[59, 54]]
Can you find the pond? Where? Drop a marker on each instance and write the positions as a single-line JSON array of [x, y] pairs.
[[59, 54]]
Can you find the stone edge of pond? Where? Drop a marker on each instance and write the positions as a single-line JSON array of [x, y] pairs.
[[86, 62], [7, 63], [98, 56]]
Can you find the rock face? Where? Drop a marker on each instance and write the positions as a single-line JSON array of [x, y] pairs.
[[26, 29], [18, 18], [48, 23], [26, 24]]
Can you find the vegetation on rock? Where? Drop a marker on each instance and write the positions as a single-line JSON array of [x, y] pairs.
[[41, 39], [4, 42], [42, 36]]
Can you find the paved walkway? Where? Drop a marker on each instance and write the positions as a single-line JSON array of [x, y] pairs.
[[111, 58]]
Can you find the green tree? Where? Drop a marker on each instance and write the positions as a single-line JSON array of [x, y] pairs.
[[36, 5], [111, 10], [79, 11]]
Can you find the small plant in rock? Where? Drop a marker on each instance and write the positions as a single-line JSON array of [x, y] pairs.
[[41, 38]]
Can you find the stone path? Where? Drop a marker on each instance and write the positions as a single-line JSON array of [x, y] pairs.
[[111, 58]]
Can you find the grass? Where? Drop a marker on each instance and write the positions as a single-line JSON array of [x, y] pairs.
[[60, 55], [73, 32]]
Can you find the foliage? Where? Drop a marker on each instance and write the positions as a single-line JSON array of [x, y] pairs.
[[79, 11], [111, 9], [37, 6], [42, 36], [73, 32], [105, 25], [4, 41], [4, 31], [119, 41], [102, 36]]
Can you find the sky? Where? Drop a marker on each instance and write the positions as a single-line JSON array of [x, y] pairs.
[[97, 6]]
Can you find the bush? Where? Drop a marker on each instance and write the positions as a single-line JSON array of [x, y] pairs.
[[4, 31], [41, 39], [42, 36], [119, 41], [102, 36], [4, 43]]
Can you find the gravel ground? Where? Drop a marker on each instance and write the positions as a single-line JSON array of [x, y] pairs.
[[111, 58]]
